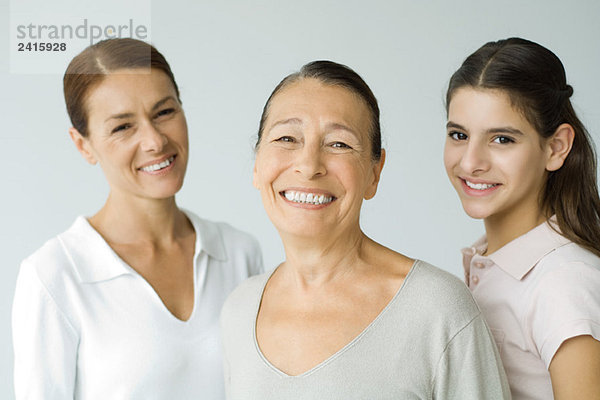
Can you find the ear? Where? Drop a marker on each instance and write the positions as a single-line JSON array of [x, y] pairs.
[[377, 167], [254, 177], [83, 145], [558, 146]]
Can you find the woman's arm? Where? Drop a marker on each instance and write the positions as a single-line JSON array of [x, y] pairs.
[[575, 369], [44, 342]]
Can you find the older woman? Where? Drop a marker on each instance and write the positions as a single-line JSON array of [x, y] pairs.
[[125, 304], [344, 317]]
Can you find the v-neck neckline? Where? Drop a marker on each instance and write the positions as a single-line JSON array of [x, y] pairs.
[[154, 293], [344, 348]]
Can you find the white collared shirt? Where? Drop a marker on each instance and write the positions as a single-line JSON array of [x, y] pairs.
[[535, 292], [87, 326]]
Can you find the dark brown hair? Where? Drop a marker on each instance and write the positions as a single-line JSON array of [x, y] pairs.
[[534, 79], [331, 73], [92, 65]]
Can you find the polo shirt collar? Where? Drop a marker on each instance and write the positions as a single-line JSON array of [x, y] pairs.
[[519, 256], [208, 237], [95, 261]]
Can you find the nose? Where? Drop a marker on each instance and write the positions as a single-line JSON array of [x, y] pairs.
[[309, 161], [475, 158], [151, 139]]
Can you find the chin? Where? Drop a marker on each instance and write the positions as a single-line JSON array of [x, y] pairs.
[[476, 212], [164, 193]]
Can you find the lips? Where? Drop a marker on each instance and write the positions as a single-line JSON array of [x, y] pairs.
[[478, 188], [312, 198], [158, 165]]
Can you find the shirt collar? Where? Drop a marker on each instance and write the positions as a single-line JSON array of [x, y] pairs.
[[519, 256], [95, 261]]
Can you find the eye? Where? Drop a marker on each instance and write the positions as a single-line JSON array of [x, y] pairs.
[[122, 127], [164, 112], [503, 140], [285, 139], [340, 145], [457, 135]]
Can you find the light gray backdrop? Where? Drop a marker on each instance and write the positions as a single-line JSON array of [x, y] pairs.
[[227, 57]]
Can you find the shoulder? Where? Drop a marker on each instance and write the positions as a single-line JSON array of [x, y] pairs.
[[249, 291], [570, 254], [440, 297], [51, 264], [243, 302], [46, 281], [569, 268], [443, 290], [564, 298]]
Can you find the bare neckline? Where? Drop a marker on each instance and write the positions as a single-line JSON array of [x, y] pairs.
[[345, 348]]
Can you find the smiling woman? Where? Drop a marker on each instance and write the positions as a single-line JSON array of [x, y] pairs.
[[125, 304], [521, 160], [344, 317]]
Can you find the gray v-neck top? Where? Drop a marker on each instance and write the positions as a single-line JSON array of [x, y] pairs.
[[429, 342]]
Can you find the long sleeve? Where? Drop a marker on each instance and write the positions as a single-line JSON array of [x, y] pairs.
[[45, 342], [470, 367]]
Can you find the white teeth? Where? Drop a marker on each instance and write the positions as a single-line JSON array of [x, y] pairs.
[[308, 198], [156, 167], [480, 186]]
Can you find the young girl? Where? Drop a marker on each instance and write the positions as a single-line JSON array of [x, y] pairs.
[[521, 160]]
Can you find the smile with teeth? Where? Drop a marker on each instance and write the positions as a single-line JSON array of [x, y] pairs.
[[158, 166], [480, 186], [307, 198]]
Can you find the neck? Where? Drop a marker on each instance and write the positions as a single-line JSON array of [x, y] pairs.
[[133, 219], [313, 261], [502, 229]]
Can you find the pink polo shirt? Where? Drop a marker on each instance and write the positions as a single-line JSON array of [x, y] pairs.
[[535, 292]]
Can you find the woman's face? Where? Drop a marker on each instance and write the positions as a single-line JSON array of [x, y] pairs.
[[494, 157], [137, 132], [313, 165]]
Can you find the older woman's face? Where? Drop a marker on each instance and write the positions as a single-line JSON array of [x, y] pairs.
[[313, 165], [137, 132]]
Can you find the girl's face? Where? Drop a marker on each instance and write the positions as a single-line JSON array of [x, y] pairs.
[[494, 157], [313, 165], [137, 132]]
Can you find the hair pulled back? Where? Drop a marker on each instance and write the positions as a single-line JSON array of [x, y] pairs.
[[89, 68], [332, 73], [534, 79]]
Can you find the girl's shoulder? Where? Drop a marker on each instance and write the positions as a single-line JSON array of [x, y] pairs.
[[569, 261]]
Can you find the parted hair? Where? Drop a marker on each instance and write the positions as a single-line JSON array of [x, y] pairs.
[[89, 68], [535, 80]]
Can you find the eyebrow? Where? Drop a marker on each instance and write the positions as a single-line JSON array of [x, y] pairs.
[[292, 121], [129, 115], [500, 129], [337, 126], [330, 126]]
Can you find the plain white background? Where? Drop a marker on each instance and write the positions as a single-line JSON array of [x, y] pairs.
[[227, 56]]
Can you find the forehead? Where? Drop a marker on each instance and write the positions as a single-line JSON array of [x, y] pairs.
[[125, 88], [311, 98], [484, 107]]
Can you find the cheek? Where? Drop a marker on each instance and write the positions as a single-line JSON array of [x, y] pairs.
[[268, 166], [526, 165], [451, 157], [351, 172]]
